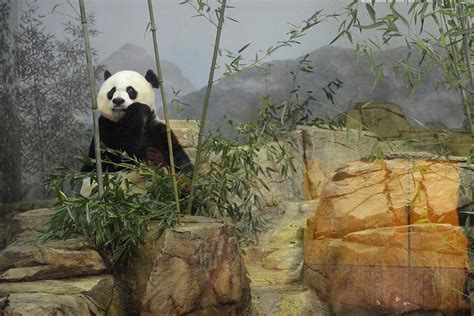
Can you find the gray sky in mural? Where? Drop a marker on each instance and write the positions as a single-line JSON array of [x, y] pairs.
[[188, 41]]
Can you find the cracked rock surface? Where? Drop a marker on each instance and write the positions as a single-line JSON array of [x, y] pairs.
[[94, 295], [26, 258], [196, 269], [386, 238], [58, 277]]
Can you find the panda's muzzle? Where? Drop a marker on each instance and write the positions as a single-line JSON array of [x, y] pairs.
[[118, 102]]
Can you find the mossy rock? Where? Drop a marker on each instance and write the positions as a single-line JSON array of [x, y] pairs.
[[385, 119], [460, 144]]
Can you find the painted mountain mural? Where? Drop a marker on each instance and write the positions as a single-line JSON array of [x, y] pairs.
[[240, 95]]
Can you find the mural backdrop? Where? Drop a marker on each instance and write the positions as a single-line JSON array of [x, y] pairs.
[[45, 95]]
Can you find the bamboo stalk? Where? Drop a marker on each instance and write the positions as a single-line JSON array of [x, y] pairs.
[[165, 107], [464, 21], [95, 110], [206, 105]]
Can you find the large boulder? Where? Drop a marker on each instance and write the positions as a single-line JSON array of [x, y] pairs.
[[196, 269], [94, 295], [326, 150], [28, 224], [386, 238], [382, 118], [9, 210], [186, 132], [56, 277], [27, 258]]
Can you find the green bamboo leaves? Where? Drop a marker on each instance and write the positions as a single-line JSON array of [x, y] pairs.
[[221, 13], [448, 48], [119, 219]]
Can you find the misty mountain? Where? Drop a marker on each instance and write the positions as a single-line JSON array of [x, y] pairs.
[[133, 57], [240, 95]]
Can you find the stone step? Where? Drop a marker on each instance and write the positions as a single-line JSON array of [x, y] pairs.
[[286, 300], [93, 295]]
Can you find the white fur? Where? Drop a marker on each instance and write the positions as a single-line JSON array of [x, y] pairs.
[[121, 80]]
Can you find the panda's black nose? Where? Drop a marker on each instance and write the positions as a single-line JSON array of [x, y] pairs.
[[118, 101]]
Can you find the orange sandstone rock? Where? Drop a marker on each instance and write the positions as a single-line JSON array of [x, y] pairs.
[[386, 238]]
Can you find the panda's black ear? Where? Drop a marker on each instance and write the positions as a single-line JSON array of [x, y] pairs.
[[152, 78], [107, 75]]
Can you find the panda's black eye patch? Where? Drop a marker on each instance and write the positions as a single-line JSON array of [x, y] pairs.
[[110, 94], [132, 93]]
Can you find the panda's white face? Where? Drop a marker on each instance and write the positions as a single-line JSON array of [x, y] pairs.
[[121, 90]]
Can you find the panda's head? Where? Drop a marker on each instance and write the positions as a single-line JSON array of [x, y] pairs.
[[124, 88]]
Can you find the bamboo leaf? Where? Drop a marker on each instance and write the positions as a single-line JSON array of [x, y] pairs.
[[378, 76], [371, 26], [337, 37], [233, 20], [54, 8], [371, 11], [88, 214], [349, 36], [243, 48]]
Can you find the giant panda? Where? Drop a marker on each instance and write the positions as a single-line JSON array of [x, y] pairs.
[[128, 123]]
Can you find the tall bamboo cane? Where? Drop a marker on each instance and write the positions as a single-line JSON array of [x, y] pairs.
[[465, 25], [165, 106], [206, 105], [95, 111]]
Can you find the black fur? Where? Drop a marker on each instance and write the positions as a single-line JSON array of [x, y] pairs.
[[110, 94], [107, 75], [152, 78], [137, 131], [132, 93]]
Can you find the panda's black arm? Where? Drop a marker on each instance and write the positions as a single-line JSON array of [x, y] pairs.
[[106, 130], [132, 130], [182, 161], [158, 136]]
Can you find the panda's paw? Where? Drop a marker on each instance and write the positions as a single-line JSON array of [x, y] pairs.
[[136, 115], [138, 108], [154, 156]]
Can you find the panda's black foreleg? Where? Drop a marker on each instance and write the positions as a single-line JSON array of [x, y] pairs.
[[155, 157], [107, 131], [132, 128], [183, 165], [106, 165], [159, 140]]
